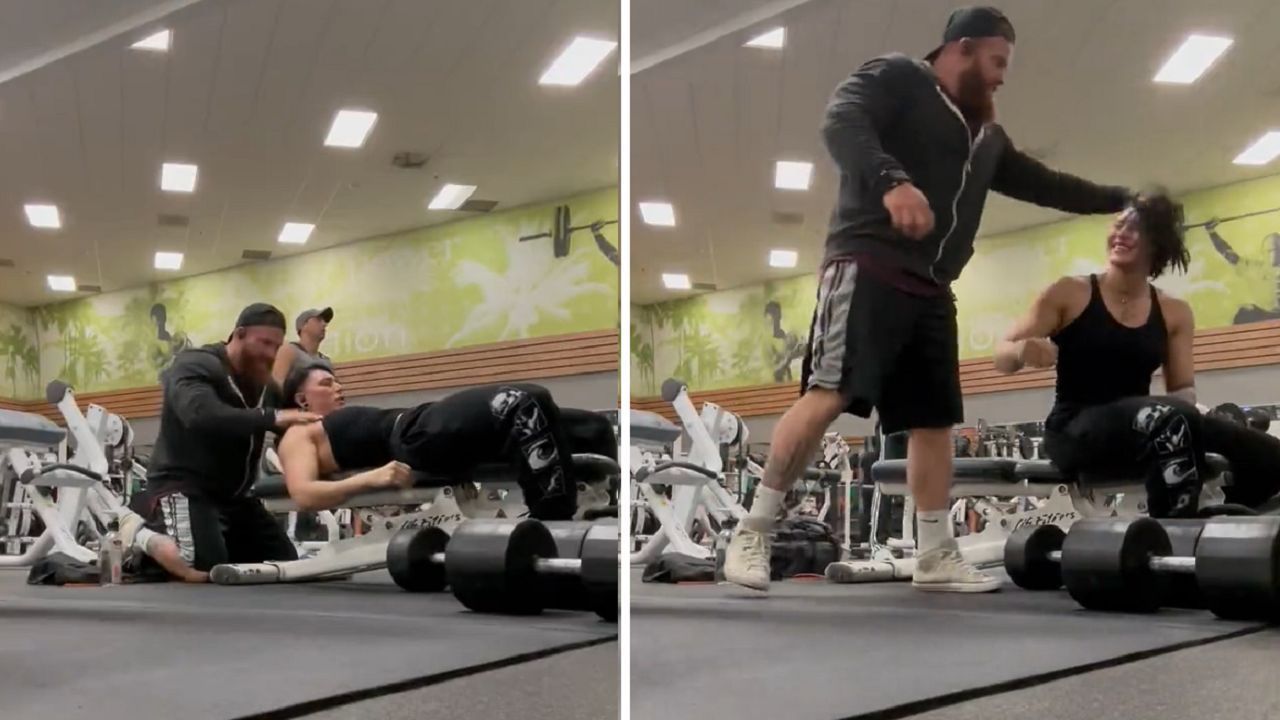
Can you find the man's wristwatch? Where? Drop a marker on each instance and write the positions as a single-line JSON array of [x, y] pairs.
[[890, 179]]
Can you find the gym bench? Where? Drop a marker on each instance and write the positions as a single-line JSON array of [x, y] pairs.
[[436, 504], [1062, 501]]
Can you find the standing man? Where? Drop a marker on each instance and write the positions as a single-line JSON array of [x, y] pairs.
[[311, 327], [917, 148], [219, 404]]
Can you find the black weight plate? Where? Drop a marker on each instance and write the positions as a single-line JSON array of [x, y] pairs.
[[601, 556], [490, 565], [1238, 567], [409, 559], [566, 592], [1026, 447], [1106, 564], [1026, 557], [1182, 590]]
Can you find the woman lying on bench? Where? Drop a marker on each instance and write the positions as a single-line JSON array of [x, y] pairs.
[[1107, 334], [515, 423]]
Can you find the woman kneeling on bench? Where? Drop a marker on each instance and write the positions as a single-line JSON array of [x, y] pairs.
[[515, 422], [1107, 334]]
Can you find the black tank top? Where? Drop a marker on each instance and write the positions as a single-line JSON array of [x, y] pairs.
[[360, 437], [1100, 360]]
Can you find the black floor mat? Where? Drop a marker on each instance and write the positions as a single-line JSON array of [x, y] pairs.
[[191, 652], [821, 651]]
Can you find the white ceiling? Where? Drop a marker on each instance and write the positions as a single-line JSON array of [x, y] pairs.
[[247, 92], [710, 117]]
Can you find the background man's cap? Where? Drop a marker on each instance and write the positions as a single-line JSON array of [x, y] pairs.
[[324, 313], [978, 21]]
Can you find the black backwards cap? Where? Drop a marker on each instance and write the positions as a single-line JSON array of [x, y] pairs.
[[978, 21]]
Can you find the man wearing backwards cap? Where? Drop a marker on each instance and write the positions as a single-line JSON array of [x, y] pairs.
[[917, 149], [311, 326], [219, 404]]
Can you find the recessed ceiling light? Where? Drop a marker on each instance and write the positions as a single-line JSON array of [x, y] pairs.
[[1196, 54], [62, 283], [350, 128], [178, 177], [577, 61], [168, 261], [159, 42], [295, 233], [43, 216], [783, 258], [1261, 152], [451, 197], [676, 281], [658, 213], [792, 175], [774, 39]]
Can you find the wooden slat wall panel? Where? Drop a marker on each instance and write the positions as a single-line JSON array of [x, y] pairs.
[[1237, 346], [535, 359]]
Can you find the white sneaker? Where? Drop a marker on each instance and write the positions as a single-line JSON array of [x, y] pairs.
[[747, 559], [944, 569]]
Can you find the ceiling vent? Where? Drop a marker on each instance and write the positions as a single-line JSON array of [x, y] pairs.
[[255, 255], [478, 206], [406, 160], [704, 286], [89, 288], [173, 221], [788, 218]]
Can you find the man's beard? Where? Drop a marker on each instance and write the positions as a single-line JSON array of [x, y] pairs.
[[976, 102]]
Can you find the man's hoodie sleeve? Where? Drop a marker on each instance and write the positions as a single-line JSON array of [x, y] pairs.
[[859, 110], [192, 394]]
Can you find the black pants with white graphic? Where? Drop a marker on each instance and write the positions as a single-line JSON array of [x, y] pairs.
[[518, 423], [211, 532], [1164, 440]]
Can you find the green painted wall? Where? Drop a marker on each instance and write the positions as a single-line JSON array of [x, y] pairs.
[[723, 339], [19, 353], [470, 282]]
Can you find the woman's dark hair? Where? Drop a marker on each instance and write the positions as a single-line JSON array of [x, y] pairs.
[[294, 381], [1160, 221]]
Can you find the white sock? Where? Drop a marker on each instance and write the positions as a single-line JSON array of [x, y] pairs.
[[933, 529], [764, 509]]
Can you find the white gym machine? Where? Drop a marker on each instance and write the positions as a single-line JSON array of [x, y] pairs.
[[40, 460], [695, 478]]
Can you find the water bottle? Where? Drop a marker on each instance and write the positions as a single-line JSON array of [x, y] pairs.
[[111, 557]]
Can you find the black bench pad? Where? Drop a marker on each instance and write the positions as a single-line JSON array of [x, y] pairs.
[[964, 470]]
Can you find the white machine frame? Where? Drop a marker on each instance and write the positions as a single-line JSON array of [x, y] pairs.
[[81, 495], [696, 484]]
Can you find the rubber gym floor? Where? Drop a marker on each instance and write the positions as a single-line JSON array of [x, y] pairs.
[[341, 650], [813, 650]]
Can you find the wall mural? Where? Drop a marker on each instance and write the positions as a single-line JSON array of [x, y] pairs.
[[730, 339], [746, 336], [19, 353], [482, 280]]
